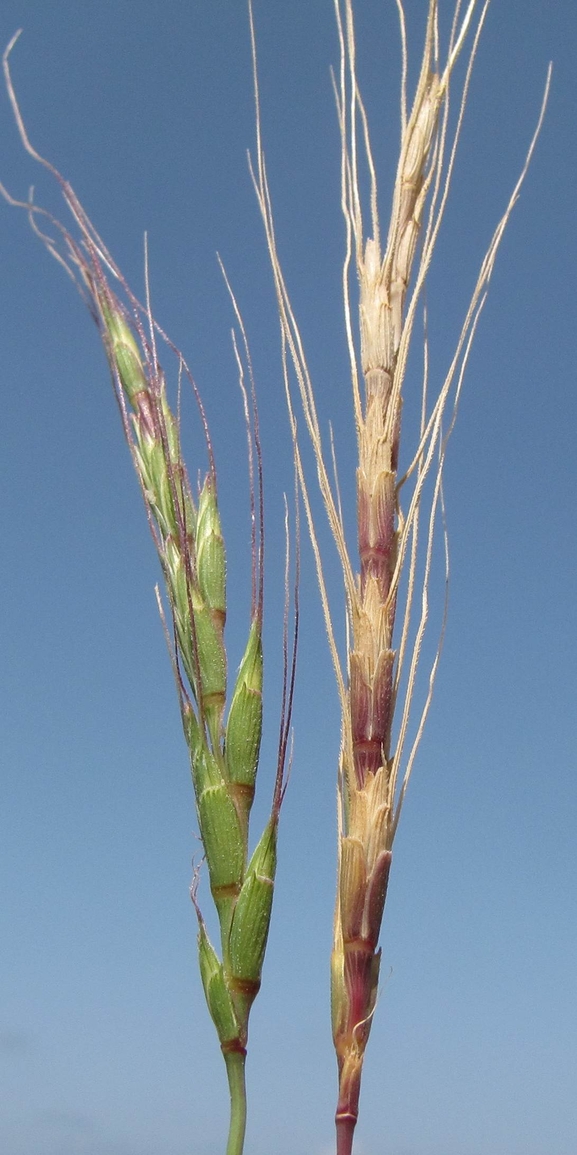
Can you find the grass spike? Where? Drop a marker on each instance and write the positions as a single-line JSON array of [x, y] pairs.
[[188, 537], [378, 680]]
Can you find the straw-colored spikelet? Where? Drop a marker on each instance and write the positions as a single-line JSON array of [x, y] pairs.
[[377, 680], [224, 752]]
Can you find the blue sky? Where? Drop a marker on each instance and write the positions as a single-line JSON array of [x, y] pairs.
[[105, 1043]]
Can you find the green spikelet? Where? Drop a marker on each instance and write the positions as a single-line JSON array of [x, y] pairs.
[[216, 992], [124, 351], [251, 918], [211, 655], [224, 844], [210, 553], [157, 449], [170, 428], [194, 741], [244, 726], [206, 771], [159, 495]]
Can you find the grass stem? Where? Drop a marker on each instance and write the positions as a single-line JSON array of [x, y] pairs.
[[345, 1134], [235, 1068]]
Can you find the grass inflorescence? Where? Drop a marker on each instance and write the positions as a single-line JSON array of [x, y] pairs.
[[223, 744], [387, 588]]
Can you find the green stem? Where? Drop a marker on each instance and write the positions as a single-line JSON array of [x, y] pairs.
[[235, 1063]]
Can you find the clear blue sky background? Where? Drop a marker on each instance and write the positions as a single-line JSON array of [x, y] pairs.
[[105, 1043]]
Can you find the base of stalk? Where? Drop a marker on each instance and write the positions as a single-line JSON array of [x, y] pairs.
[[345, 1125], [235, 1069]]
